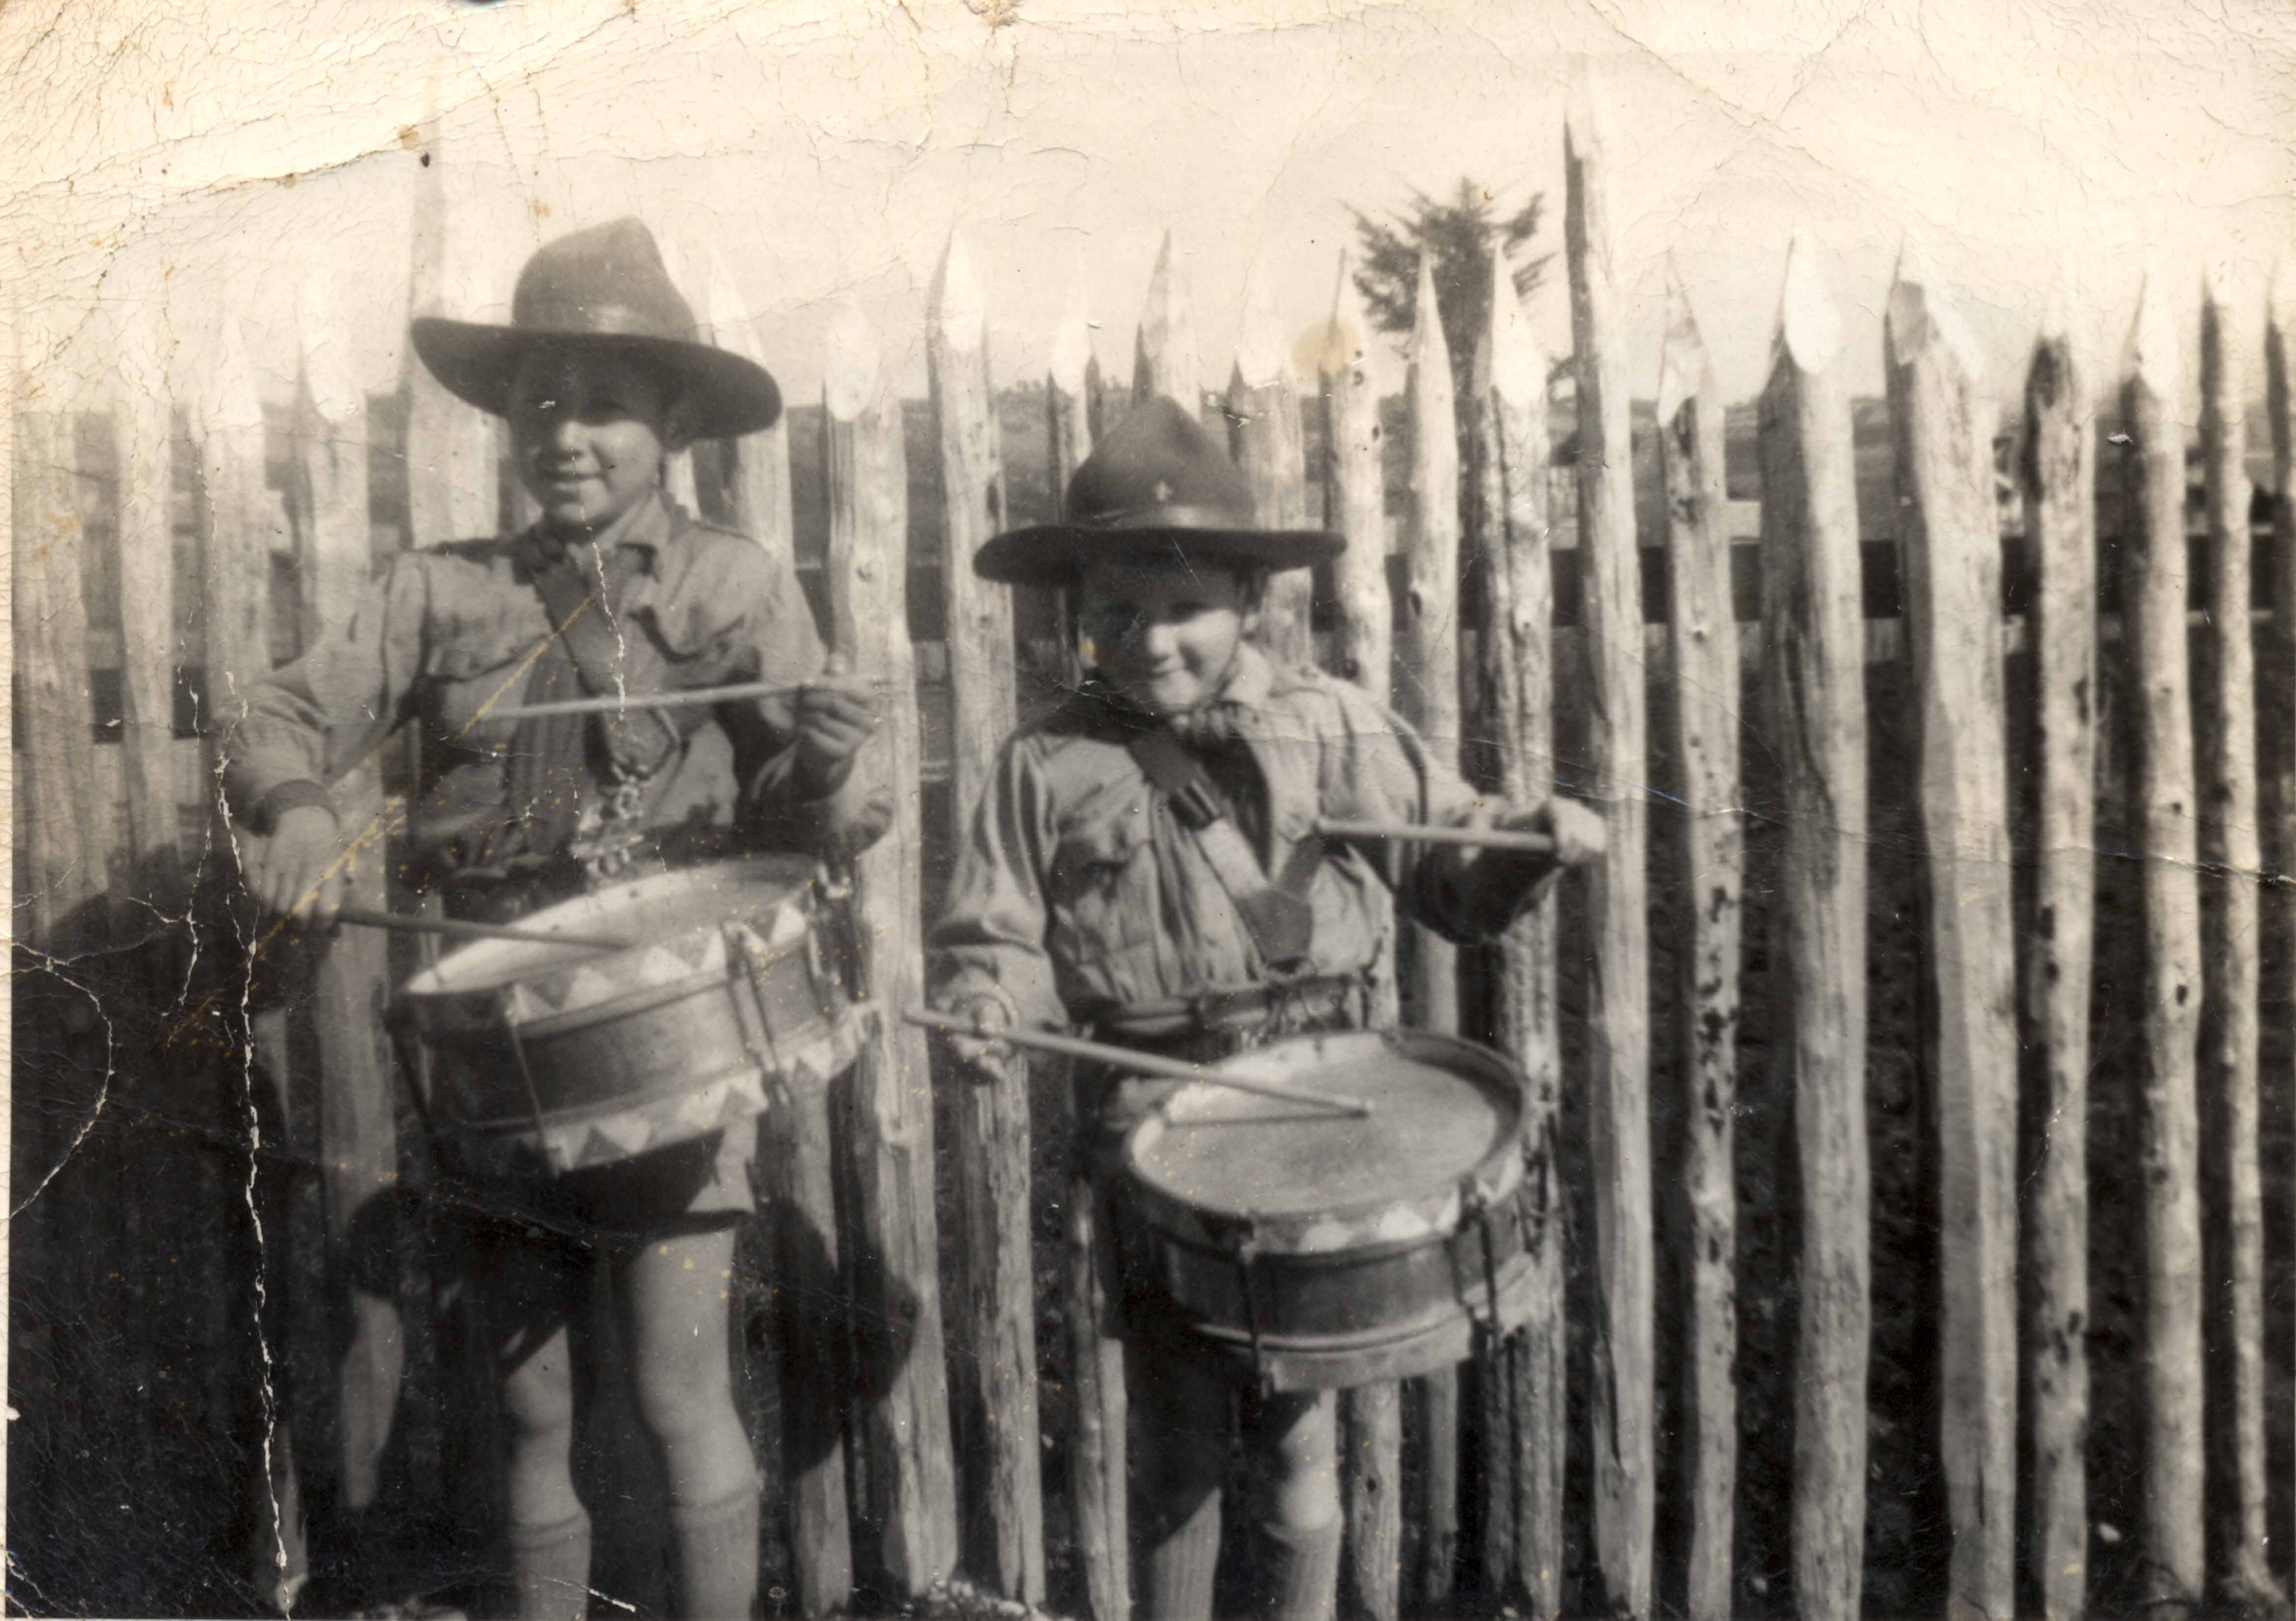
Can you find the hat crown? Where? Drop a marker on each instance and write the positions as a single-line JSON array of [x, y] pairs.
[[607, 280], [1156, 463]]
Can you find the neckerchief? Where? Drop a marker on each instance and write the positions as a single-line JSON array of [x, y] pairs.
[[550, 768]]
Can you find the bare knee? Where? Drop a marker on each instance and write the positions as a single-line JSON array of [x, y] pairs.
[[681, 1366], [681, 1399], [538, 1394]]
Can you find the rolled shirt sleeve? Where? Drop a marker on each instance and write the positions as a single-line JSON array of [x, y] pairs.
[[989, 944], [309, 721], [1388, 773], [778, 645]]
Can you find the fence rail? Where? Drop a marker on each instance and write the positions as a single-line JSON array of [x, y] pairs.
[[228, 1302]]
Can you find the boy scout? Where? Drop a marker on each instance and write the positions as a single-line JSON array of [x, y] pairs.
[[613, 589], [1141, 866]]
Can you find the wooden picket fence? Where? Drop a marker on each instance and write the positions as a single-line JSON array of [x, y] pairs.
[[236, 1323]]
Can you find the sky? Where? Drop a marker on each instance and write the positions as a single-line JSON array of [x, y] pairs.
[[179, 167]]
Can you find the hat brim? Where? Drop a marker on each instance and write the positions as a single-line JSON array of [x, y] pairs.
[[1054, 553], [724, 394]]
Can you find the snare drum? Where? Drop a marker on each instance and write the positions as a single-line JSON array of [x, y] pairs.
[[1323, 1251], [565, 1057]]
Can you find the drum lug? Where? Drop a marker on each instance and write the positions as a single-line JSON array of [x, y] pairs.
[[757, 1036], [507, 1014], [1475, 1206], [1244, 1248]]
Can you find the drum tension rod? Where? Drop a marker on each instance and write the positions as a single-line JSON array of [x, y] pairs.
[[1475, 1207]]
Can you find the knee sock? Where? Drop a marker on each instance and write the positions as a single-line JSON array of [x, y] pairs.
[[1176, 1569], [552, 1564], [1300, 1579], [717, 1556]]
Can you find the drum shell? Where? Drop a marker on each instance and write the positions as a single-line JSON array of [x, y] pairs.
[[661, 1043], [657, 1041], [1340, 1298]]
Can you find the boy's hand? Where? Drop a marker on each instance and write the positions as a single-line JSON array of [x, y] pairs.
[[984, 1057], [298, 870], [1578, 832], [835, 715]]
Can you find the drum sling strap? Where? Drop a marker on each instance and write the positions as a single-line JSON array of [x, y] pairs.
[[1280, 923]]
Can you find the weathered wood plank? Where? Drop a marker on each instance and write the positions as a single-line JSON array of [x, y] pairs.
[[1949, 543], [1097, 1487], [813, 1336], [910, 1471], [2231, 1025], [1704, 642], [1165, 359], [241, 516], [2155, 601], [1427, 694], [1268, 442], [141, 421], [1518, 660], [1371, 1465], [451, 454], [1814, 671], [2058, 474], [1618, 996], [1355, 499], [359, 1103], [1371, 1473], [992, 1121], [756, 466]]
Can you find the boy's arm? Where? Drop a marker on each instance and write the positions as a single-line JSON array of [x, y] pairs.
[[309, 721], [1464, 893], [986, 956], [792, 797]]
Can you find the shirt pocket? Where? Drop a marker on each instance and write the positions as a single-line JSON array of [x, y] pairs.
[[1103, 886]]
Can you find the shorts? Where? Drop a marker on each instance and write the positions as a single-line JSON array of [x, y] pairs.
[[701, 1185]]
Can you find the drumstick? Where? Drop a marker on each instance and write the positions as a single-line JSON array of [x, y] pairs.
[[474, 931], [1489, 838], [604, 705], [1146, 1064]]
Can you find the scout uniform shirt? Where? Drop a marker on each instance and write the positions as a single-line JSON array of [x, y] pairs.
[[447, 633], [1078, 893]]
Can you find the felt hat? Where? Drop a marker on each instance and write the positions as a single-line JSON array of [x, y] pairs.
[[1156, 486], [603, 287]]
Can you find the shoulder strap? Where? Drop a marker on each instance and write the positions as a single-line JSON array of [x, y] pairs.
[[1280, 924], [584, 634]]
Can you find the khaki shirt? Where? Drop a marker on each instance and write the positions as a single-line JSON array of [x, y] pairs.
[[447, 634], [1077, 892]]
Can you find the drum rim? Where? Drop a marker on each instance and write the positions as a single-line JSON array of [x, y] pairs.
[[426, 986], [1319, 1361], [1493, 1177]]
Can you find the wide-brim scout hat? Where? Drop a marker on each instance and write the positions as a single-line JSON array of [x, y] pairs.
[[1156, 486], [605, 287]]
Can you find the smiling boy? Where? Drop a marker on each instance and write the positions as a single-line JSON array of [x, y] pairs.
[[1143, 866], [613, 589]]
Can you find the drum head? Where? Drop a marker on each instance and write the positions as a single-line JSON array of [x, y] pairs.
[[646, 912], [1446, 1115]]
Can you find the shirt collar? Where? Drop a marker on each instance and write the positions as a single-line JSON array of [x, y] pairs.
[[1250, 678], [645, 529]]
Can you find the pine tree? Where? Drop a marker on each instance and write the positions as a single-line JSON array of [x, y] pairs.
[[1462, 234]]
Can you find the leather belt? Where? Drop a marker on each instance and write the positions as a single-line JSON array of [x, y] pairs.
[[502, 895], [1312, 1002]]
